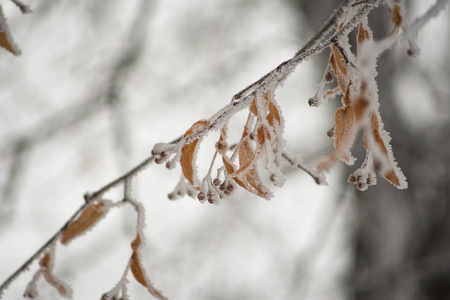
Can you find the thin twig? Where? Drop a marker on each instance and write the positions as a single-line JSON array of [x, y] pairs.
[[26, 265], [319, 178], [412, 28], [243, 98]]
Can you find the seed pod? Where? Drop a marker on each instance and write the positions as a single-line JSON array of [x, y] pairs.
[[201, 196]]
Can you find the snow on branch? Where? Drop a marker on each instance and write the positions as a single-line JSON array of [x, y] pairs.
[[262, 137], [261, 143]]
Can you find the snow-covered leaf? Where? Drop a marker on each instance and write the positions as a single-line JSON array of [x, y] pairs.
[[188, 154], [91, 214], [46, 264]]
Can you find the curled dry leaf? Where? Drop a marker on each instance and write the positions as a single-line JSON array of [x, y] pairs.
[[262, 137], [356, 82], [344, 133], [85, 220], [188, 154], [397, 17], [138, 271], [390, 171], [247, 175], [46, 265], [363, 34]]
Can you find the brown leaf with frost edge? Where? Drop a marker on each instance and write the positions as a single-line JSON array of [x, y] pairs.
[[46, 270], [187, 160], [85, 220], [393, 174], [247, 175], [138, 271]]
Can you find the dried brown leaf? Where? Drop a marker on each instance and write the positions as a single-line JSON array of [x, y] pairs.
[[46, 266], [246, 175], [45, 261], [274, 114], [136, 242], [7, 44], [390, 175], [363, 34], [339, 66], [252, 183], [376, 134], [230, 167], [361, 109], [344, 133], [85, 220], [187, 159], [253, 107], [397, 16], [138, 271], [246, 152]]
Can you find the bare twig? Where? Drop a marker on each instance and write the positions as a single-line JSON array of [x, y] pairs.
[[242, 99], [79, 112], [319, 178], [317, 45], [412, 28], [88, 199], [38, 253]]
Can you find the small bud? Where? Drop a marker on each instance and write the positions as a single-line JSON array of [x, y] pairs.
[[313, 101], [171, 196], [330, 133], [201, 196], [272, 177], [216, 181], [352, 179], [222, 186], [221, 146], [229, 189], [413, 52], [170, 165], [328, 77]]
